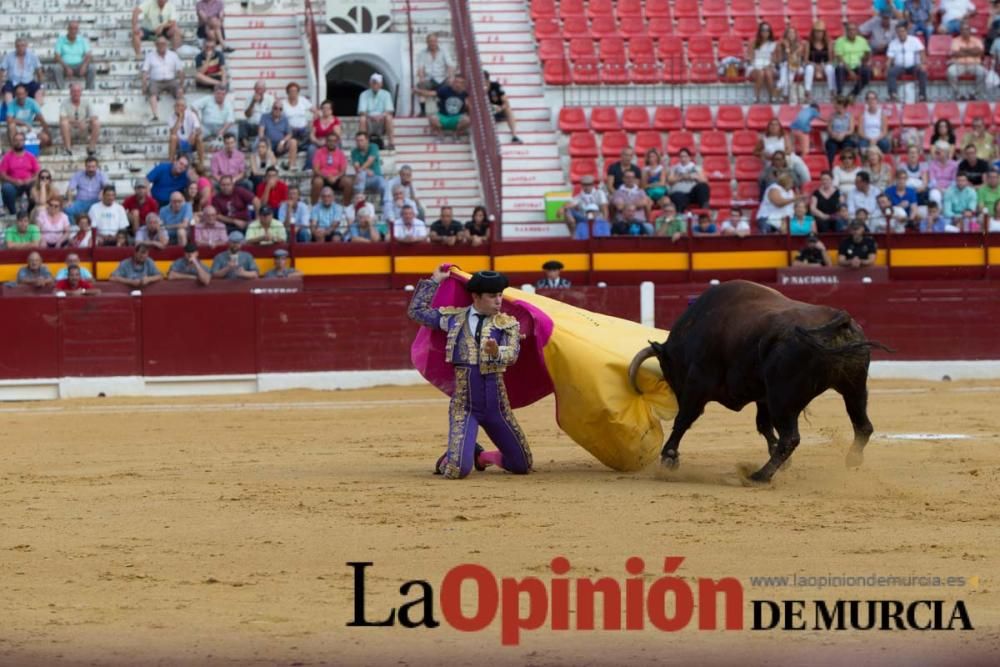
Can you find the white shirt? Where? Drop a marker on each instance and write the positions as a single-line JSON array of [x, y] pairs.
[[474, 317], [595, 200], [189, 125], [162, 68], [107, 220], [433, 66], [300, 114], [954, 10], [772, 212], [214, 115], [264, 107], [906, 53], [417, 231], [868, 201]]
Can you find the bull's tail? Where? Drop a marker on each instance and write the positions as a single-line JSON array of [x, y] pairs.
[[827, 338]]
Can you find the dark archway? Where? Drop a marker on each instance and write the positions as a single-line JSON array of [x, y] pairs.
[[345, 81]]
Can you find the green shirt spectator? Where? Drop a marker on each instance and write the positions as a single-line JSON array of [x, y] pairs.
[[852, 52], [32, 235], [72, 53], [359, 157], [669, 226], [989, 193]]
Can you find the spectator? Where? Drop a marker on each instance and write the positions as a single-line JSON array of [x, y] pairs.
[[452, 115], [973, 166], [138, 270], [629, 222], [944, 132], [988, 195], [970, 223], [281, 268], [363, 231], [778, 165], [258, 105], [167, 178], [231, 162], [982, 139], [176, 218], [217, 115], [935, 222], [872, 126], [185, 132], [654, 176], [801, 127], [300, 113], [941, 171], [801, 223], [234, 263], [688, 185], [480, 227], [775, 140], [211, 18], [670, 222], [367, 167], [327, 221], [840, 129], [409, 228], [500, 106], [18, 169], [264, 230], [915, 169], [83, 236], [616, 171], [851, 53], [858, 250], [704, 226], [953, 14], [447, 230], [818, 54], [42, 190], [433, 71], [824, 204], [233, 205], [293, 212], [189, 267], [22, 112], [162, 72], [791, 58], [53, 223], [405, 179], [813, 254], [589, 207], [72, 56], [277, 133], [761, 58], [895, 8], [966, 58], [776, 206], [878, 169], [323, 125], [121, 239], [879, 31], [735, 224], [155, 19], [272, 191], [919, 13], [329, 167], [78, 116], [376, 110], [959, 197], [152, 233], [208, 230], [994, 222], [23, 234], [108, 216], [902, 196], [74, 284], [210, 68], [864, 194], [843, 219], [631, 194], [260, 161], [73, 259], [84, 188], [552, 279], [906, 56], [845, 174], [20, 67], [35, 274]]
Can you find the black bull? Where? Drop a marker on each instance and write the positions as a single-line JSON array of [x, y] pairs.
[[742, 343]]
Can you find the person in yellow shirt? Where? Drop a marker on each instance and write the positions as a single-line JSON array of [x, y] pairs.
[[152, 19], [852, 55]]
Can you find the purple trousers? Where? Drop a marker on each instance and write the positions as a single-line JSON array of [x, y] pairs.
[[481, 400]]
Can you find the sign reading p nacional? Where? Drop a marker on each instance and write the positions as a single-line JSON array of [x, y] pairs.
[[359, 16]]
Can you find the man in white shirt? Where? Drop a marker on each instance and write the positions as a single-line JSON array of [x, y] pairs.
[[864, 195], [162, 72], [77, 115], [590, 204], [217, 115], [185, 132], [108, 217], [409, 228], [906, 56], [376, 110], [953, 12], [433, 70], [259, 103], [152, 20]]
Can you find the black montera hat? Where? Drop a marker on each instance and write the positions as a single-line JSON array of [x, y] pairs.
[[487, 282], [552, 265]]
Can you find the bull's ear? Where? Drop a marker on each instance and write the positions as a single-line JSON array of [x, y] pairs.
[[657, 347]]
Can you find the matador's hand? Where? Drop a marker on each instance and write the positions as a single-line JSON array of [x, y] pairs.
[[491, 348]]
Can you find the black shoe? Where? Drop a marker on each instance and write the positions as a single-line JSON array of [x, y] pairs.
[[229, 49], [479, 450], [437, 465]]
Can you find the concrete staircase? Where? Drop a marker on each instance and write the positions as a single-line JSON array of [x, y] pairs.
[[507, 50]]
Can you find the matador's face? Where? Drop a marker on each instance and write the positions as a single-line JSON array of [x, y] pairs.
[[488, 303]]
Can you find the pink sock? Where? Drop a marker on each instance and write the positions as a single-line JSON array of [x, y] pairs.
[[494, 457]]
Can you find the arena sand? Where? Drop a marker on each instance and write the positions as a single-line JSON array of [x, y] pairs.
[[216, 530]]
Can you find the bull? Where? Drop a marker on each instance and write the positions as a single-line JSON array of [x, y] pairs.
[[742, 343]]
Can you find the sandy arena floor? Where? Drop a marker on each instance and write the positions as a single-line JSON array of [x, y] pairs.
[[216, 530]]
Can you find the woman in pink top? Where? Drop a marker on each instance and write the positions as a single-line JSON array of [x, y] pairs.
[[941, 171], [53, 223]]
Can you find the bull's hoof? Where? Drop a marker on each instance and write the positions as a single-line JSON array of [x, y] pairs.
[[855, 457], [762, 476], [670, 462]]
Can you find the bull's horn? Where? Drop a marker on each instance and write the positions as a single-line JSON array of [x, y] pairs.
[[633, 368]]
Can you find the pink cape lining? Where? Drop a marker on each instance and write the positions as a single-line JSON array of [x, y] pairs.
[[527, 380]]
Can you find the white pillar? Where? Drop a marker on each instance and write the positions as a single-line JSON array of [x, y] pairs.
[[647, 304]]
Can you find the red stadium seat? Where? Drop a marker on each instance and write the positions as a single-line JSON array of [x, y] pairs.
[[938, 54], [716, 167], [647, 139], [612, 48], [830, 7], [635, 119], [765, 7], [597, 8], [744, 142], [612, 143], [549, 49], [745, 27], [796, 8], [569, 8], [646, 71], [614, 72], [732, 46], [586, 71], [716, 26], [700, 47], [713, 142], [573, 119], [633, 26], [698, 117], [581, 48], [759, 116], [542, 9], [714, 8], [817, 164], [859, 7], [730, 117], [679, 139], [657, 9], [556, 72], [748, 167], [787, 114], [667, 119], [641, 49], [675, 71], [977, 110], [686, 9], [548, 29], [604, 26], [703, 69], [747, 193], [720, 194], [996, 116], [688, 26], [583, 144], [893, 114], [916, 115], [671, 53], [802, 23], [777, 23], [604, 119], [629, 9], [660, 27], [946, 111], [576, 27], [743, 8], [580, 167]]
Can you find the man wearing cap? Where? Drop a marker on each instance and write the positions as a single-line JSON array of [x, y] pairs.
[[590, 206], [376, 109], [235, 264], [137, 271], [552, 279], [481, 343], [281, 268], [858, 250], [189, 267], [265, 230], [813, 254]]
